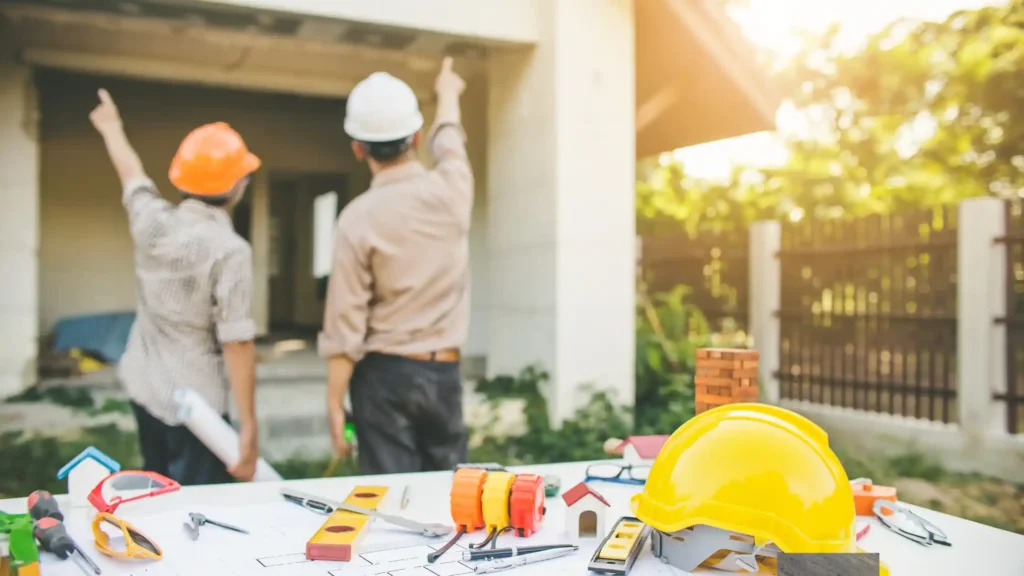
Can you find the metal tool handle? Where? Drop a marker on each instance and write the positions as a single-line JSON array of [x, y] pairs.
[[396, 520]]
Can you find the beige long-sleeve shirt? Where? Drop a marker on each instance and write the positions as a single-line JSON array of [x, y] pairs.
[[400, 281]]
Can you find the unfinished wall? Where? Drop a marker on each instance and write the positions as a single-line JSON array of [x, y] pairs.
[[86, 261]]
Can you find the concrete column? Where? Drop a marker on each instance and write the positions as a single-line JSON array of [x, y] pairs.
[[561, 177], [260, 240], [981, 298], [19, 226], [765, 300]]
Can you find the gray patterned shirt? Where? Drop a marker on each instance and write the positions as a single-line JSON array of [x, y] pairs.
[[194, 276]]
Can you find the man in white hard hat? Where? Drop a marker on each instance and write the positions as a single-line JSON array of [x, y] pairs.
[[398, 297]]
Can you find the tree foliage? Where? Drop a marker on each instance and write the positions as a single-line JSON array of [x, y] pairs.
[[925, 113]]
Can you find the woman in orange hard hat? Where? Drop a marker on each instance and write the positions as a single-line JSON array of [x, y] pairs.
[[194, 277]]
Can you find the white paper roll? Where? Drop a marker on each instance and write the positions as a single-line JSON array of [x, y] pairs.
[[215, 433]]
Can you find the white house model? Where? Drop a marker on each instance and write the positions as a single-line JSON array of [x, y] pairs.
[[584, 512], [84, 472]]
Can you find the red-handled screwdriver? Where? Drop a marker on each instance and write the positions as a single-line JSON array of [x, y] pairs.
[[51, 533], [54, 538], [42, 504]]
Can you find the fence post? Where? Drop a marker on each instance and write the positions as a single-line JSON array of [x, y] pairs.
[[981, 298], [765, 297]]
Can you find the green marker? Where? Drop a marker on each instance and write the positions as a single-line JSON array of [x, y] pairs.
[[350, 433]]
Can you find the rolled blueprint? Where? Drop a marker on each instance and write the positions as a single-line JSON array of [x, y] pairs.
[[215, 433]]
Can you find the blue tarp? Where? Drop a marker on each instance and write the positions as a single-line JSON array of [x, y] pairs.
[[102, 335]]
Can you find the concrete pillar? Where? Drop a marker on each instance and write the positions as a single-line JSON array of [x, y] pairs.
[[19, 226], [765, 300], [561, 228], [259, 235], [981, 298]]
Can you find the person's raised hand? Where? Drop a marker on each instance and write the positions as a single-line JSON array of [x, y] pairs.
[[448, 82], [105, 117]]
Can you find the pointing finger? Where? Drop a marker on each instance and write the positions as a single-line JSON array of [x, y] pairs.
[[446, 65], [105, 96]]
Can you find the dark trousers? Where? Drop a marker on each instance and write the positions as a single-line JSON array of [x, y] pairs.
[[176, 453], [407, 414]]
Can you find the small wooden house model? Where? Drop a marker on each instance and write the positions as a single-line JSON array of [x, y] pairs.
[[584, 512]]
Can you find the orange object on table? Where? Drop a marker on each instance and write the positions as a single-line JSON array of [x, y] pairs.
[[527, 504], [865, 492], [467, 506], [467, 499], [338, 537], [724, 376]]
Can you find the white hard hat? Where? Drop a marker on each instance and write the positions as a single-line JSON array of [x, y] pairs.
[[382, 108]]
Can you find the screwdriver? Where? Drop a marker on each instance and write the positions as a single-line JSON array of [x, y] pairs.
[[42, 504], [49, 530]]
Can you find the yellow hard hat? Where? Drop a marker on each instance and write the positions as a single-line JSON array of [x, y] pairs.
[[753, 469]]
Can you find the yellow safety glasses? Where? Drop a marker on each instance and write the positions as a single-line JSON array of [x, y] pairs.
[[125, 542]]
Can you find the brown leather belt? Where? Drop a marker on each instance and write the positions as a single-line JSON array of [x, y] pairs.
[[448, 355]]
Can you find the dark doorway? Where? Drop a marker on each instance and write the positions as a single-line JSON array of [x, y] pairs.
[[296, 289]]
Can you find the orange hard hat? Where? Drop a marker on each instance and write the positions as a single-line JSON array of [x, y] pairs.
[[211, 160]]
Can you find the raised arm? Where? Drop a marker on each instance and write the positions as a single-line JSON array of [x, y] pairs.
[[146, 208], [107, 121], [448, 143]]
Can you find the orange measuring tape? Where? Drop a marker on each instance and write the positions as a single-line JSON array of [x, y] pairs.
[[497, 501], [341, 533], [527, 504]]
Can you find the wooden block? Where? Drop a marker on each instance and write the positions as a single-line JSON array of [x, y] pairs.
[[715, 400], [340, 534], [727, 354], [746, 394], [720, 364], [713, 390], [738, 395], [708, 381], [725, 372]]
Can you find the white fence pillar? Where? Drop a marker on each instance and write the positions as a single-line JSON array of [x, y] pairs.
[[765, 299], [981, 298]]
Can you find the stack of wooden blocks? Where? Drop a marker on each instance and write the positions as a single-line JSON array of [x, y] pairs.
[[725, 376]]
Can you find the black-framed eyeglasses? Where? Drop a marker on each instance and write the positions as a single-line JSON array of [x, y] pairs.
[[618, 472]]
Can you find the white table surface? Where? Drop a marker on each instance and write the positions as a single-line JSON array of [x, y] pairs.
[[977, 550]]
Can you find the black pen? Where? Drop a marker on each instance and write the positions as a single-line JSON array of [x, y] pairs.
[[306, 501], [495, 553]]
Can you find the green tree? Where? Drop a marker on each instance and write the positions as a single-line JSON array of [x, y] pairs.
[[926, 113]]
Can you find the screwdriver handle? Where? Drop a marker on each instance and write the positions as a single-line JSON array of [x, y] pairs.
[[53, 537], [42, 504]]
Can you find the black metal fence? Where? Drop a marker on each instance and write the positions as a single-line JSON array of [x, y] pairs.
[[868, 313], [714, 265], [1014, 320]]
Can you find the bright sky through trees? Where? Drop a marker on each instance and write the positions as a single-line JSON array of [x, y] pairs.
[[776, 25]]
